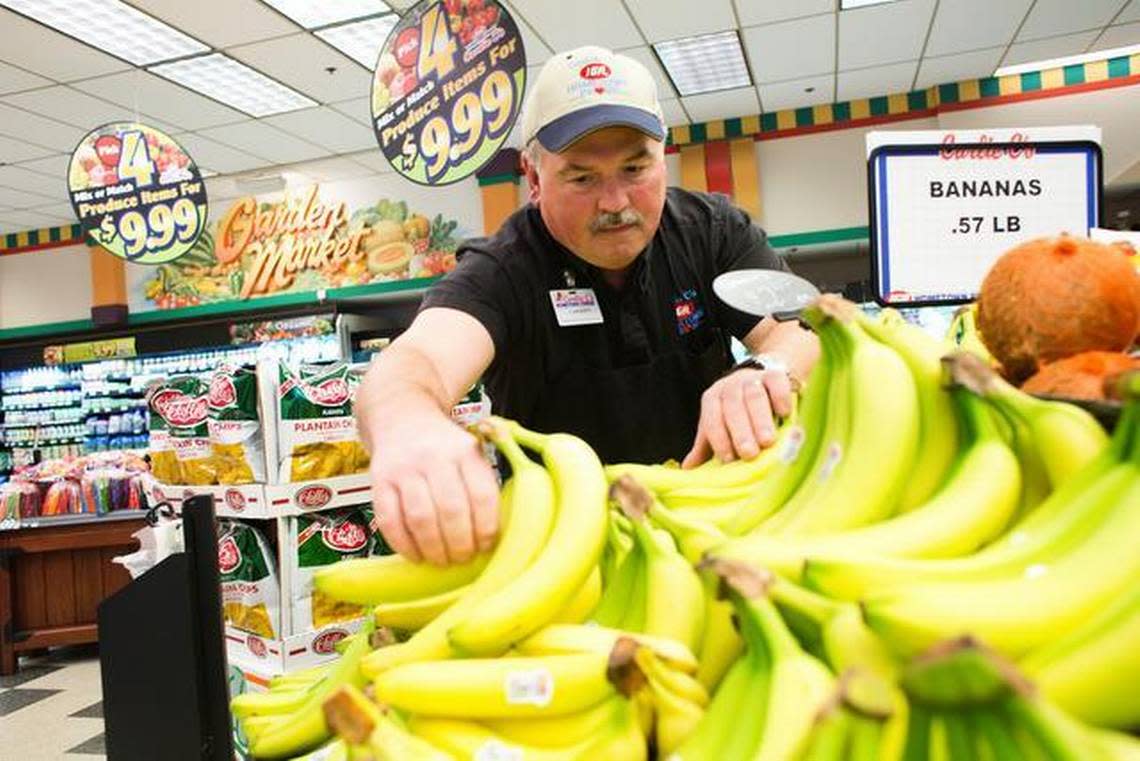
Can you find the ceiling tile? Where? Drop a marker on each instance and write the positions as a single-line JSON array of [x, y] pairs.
[[300, 61], [220, 23], [536, 50], [51, 54], [357, 109], [1053, 47], [751, 12], [32, 220], [669, 19], [152, 94], [883, 33], [73, 107], [219, 157], [62, 210], [1130, 13], [646, 58], [13, 79], [674, 112], [262, 140], [791, 50], [875, 81], [1118, 37], [52, 166], [12, 151], [957, 29], [794, 94], [330, 170], [956, 68], [1051, 18], [49, 133], [722, 105], [373, 160], [16, 176], [601, 22], [20, 198], [325, 127]]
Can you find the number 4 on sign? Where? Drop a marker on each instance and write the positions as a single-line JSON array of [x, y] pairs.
[[134, 159]]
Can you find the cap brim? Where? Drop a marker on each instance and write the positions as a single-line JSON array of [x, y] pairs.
[[568, 129]]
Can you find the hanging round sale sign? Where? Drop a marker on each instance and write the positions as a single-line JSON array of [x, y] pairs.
[[447, 88], [137, 193]]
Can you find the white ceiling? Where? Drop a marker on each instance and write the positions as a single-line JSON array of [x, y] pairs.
[[53, 88]]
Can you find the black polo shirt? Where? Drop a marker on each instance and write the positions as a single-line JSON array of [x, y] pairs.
[[662, 340]]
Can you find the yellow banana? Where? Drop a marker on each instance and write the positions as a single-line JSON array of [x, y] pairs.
[[478, 688], [682, 685], [272, 703], [675, 717], [882, 424], [721, 644], [333, 750], [392, 578], [938, 427], [564, 639], [560, 731], [528, 523], [535, 596], [1117, 746], [412, 615], [301, 678], [744, 687], [584, 603], [694, 536], [363, 724]]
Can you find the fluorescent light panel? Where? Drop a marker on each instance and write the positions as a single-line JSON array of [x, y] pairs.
[[313, 13], [360, 40], [706, 63], [222, 78], [847, 5], [111, 26], [1056, 63]]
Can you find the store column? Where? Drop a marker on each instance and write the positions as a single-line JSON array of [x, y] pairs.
[[108, 287], [499, 188]]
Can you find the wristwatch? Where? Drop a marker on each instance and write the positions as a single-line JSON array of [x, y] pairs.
[[767, 362]]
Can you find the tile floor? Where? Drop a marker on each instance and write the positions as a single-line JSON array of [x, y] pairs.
[[51, 709]]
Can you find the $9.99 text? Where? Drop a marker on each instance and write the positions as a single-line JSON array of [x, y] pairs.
[[157, 230], [472, 116]]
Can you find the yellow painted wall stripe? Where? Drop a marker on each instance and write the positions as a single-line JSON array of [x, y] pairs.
[[969, 90], [785, 119], [714, 130], [693, 168], [681, 134], [822, 114], [750, 125], [896, 103], [745, 175], [1010, 85], [860, 109], [1052, 78], [1096, 71]]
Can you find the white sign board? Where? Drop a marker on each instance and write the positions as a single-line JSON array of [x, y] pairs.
[[943, 209]]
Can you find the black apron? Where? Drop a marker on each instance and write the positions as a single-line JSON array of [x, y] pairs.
[[645, 411]]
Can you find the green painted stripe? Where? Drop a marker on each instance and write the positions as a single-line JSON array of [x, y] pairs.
[[10, 240], [33, 237], [498, 179], [373, 289], [948, 93], [47, 329], [989, 87], [1030, 81], [768, 122], [819, 236], [698, 133], [733, 127], [841, 112], [1119, 67], [880, 106], [1075, 74], [55, 234], [916, 100], [804, 117]]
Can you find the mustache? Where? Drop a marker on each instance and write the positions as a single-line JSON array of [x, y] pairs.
[[610, 220]]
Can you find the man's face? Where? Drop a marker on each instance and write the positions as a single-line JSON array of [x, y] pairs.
[[603, 196]]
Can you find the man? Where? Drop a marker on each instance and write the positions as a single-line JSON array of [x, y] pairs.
[[590, 311]]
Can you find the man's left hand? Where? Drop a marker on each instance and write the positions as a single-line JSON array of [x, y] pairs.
[[738, 415]]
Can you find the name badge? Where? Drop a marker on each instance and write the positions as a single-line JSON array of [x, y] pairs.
[[576, 306]]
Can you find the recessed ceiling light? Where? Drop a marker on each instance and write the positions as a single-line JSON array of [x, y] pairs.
[[313, 13], [846, 5], [228, 81], [1057, 63], [111, 26], [706, 63], [360, 40]]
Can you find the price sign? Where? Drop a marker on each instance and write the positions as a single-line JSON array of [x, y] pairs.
[[137, 193], [447, 88], [944, 210]]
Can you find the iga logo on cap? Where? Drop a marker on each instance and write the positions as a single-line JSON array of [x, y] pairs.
[[325, 642], [595, 71]]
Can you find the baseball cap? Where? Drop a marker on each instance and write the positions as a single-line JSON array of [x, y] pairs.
[[586, 89]]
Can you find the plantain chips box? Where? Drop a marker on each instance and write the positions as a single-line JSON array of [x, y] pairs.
[[323, 539], [317, 436], [182, 402], [234, 425], [163, 462], [251, 592]]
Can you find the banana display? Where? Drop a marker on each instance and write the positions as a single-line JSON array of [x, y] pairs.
[[927, 564]]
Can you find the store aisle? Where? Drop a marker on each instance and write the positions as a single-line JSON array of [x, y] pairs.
[[52, 708]]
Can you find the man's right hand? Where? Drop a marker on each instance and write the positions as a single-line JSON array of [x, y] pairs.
[[435, 495]]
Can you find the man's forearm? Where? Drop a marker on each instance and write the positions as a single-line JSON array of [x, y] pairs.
[[788, 341], [401, 381]]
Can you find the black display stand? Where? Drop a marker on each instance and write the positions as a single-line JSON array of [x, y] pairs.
[[162, 655]]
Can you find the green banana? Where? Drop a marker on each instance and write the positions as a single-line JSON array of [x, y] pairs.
[[721, 644], [719, 722], [575, 545], [1060, 737], [830, 737]]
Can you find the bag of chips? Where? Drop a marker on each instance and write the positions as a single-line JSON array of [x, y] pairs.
[[235, 426], [251, 593], [324, 539], [317, 431], [163, 462], [183, 404]]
